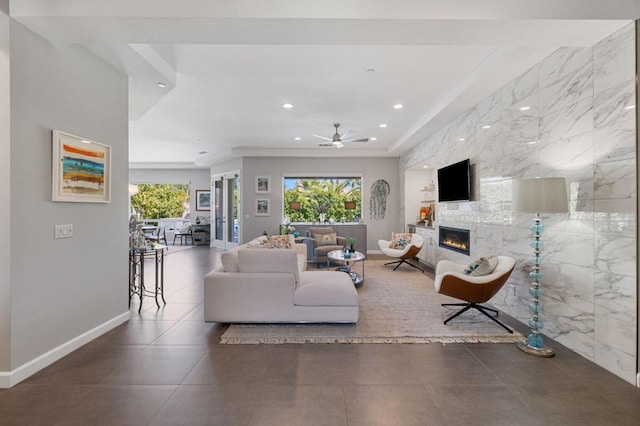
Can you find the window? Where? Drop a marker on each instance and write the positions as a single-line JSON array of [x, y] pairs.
[[319, 199]]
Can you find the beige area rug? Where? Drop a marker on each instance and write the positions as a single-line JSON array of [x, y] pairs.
[[395, 307]]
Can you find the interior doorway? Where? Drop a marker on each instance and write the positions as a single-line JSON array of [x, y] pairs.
[[225, 213]]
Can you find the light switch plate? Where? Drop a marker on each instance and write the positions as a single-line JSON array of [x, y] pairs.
[[64, 231]]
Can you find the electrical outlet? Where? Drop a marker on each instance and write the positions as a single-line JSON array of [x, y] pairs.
[[64, 231]]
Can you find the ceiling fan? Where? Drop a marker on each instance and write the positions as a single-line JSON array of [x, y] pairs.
[[338, 140]]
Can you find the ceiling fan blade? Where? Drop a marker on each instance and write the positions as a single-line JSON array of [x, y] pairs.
[[346, 134], [357, 140], [323, 137], [327, 145]]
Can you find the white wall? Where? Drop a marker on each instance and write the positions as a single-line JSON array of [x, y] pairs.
[[5, 198], [579, 126], [371, 169], [62, 288], [197, 179]]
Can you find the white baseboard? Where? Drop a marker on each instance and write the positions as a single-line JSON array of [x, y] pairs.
[[8, 379]]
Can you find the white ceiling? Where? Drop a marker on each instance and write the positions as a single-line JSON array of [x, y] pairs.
[[230, 65]]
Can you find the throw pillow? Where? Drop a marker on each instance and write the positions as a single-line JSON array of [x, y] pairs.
[[482, 266], [325, 239], [184, 229], [278, 241], [399, 240]]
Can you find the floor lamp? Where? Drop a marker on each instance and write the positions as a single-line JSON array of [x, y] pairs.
[[545, 195]]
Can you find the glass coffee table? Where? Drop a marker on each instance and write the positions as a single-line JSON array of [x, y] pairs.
[[338, 257]]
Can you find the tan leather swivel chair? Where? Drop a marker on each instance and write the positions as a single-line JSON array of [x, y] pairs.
[[402, 255], [452, 281]]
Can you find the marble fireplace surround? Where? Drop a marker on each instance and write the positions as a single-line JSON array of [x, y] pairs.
[[581, 125]]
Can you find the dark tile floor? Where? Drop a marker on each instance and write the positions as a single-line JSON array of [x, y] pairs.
[[165, 367]]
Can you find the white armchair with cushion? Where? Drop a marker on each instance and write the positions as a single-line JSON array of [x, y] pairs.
[[402, 246], [474, 283]]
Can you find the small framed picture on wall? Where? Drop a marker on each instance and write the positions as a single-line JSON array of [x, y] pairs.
[[263, 184], [263, 207], [203, 200]]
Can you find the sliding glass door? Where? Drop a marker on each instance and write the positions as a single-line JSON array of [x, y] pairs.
[[224, 216]]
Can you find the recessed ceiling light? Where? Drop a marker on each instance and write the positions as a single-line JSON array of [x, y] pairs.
[[425, 167], [630, 107], [297, 139], [398, 106], [287, 106], [371, 70], [461, 139], [525, 108], [533, 142], [373, 139], [162, 85], [202, 152], [383, 125], [84, 141], [486, 127]]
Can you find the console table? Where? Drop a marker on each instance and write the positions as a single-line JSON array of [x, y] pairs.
[[136, 273]]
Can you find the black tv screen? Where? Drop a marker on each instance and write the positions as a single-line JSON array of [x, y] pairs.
[[454, 183]]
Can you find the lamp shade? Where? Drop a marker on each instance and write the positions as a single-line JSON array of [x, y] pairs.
[[350, 205], [544, 195], [294, 205]]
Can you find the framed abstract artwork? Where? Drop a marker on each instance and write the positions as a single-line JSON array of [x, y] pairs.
[[203, 200], [81, 169], [263, 207], [263, 184]]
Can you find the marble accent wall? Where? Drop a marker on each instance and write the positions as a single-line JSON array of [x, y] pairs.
[[579, 124]]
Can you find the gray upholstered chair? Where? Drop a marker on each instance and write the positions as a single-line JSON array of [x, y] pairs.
[[319, 243]]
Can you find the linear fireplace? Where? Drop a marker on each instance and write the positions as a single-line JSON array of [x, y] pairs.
[[454, 239]]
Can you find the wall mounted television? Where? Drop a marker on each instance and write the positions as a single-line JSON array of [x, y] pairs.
[[454, 182]]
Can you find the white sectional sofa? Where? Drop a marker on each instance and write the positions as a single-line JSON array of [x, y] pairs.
[[260, 285]]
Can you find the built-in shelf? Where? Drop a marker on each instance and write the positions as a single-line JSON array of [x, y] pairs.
[[428, 201]]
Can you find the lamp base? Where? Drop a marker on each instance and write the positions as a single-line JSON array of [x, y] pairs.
[[543, 352]]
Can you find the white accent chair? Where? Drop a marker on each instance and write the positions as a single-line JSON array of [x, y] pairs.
[[402, 255], [452, 281]]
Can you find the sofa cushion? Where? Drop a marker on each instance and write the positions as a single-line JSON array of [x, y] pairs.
[[324, 250], [268, 261], [399, 240], [329, 239], [325, 288], [229, 260]]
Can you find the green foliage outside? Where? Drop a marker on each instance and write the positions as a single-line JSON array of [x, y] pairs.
[[160, 201], [322, 196]]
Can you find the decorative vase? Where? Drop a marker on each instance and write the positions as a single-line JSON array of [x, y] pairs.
[[352, 249], [321, 217]]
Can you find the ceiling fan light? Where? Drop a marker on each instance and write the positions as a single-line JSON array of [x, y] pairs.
[[338, 144]]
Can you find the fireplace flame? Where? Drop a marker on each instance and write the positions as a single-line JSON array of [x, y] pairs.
[[455, 243]]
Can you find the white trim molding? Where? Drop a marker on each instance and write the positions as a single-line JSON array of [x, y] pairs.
[[13, 377]]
